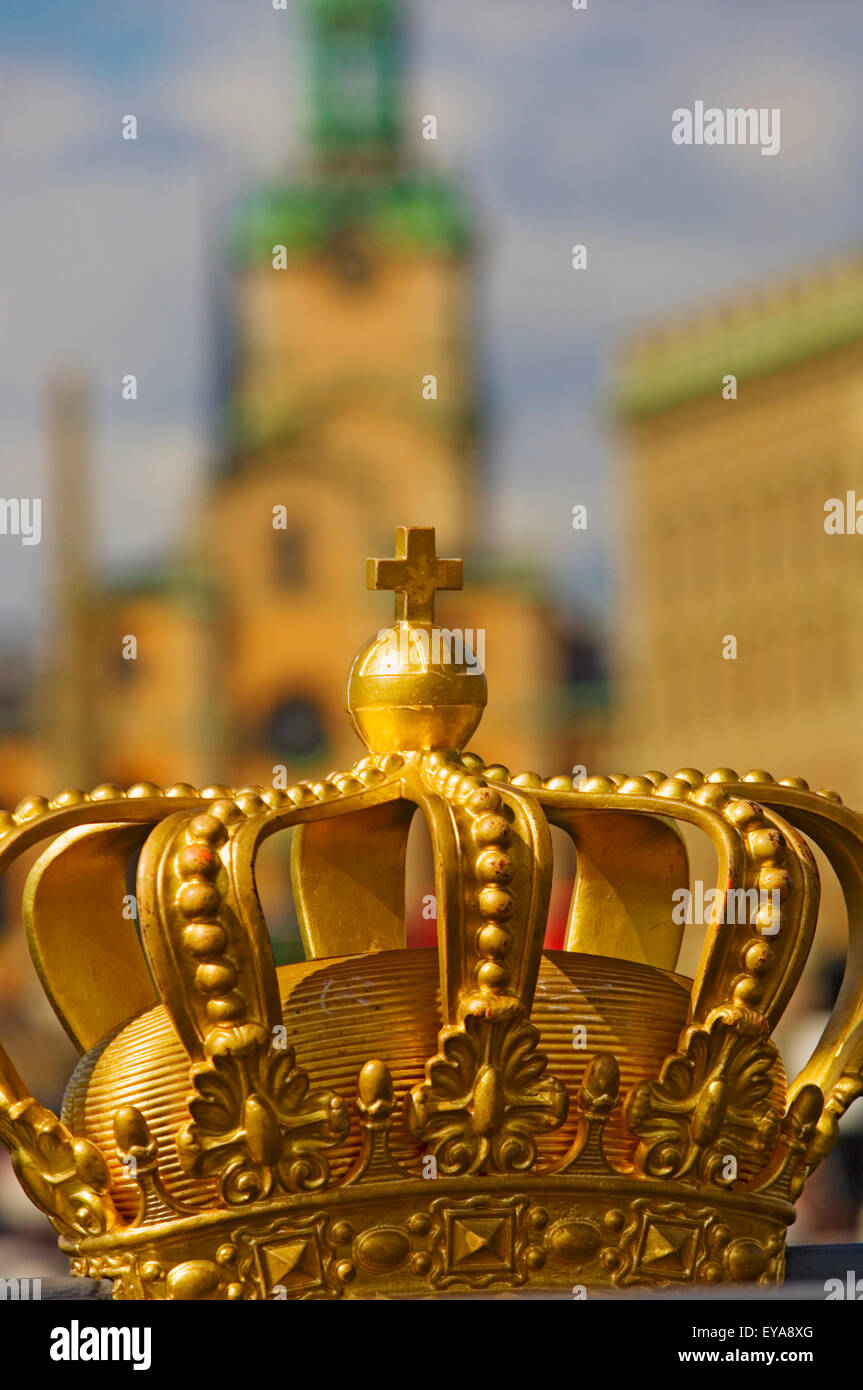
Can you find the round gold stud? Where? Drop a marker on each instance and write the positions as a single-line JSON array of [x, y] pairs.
[[495, 903], [598, 784], [228, 1009], [496, 772], [675, 788], [690, 775], [72, 796], [302, 796], [636, 786], [205, 939], [493, 866], [215, 977], [348, 785], [491, 829], [712, 794], [757, 957], [207, 829], [559, 784], [473, 762], [766, 842], [527, 779], [742, 813], [197, 861], [493, 941], [484, 802], [492, 975], [107, 791], [197, 899], [773, 880]]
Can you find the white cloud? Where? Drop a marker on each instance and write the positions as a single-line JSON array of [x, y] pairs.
[[818, 99], [107, 273], [467, 113], [244, 101], [45, 112], [493, 27], [632, 275]]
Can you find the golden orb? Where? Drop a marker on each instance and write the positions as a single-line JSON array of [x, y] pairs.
[[415, 686]]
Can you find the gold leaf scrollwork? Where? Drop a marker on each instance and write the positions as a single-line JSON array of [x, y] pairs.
[[709, 1103], [485, 1097], [66, 1177], [256, 1125]]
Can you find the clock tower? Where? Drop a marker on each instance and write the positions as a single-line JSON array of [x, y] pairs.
[[352, 398]]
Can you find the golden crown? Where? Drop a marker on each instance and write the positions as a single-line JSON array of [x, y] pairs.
[[227, 1135]]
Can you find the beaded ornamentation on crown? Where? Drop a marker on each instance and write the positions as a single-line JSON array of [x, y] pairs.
[[226, 1136]]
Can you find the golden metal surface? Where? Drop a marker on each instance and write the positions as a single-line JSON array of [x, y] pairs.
[[349, 881], [378, 1121], [72, 896], [628, 868]]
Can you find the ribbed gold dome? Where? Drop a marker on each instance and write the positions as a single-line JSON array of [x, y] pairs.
[[338, 1013]]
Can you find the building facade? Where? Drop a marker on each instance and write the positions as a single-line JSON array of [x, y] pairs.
[[741, 632], [351, 407]]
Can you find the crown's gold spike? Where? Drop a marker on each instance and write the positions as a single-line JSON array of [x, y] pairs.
[[416, 573]]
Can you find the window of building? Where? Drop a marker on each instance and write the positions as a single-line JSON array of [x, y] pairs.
[[296, 729], [291, 557], [127, 668]]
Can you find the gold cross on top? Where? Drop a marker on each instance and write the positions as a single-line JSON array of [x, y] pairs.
[[415, 574]]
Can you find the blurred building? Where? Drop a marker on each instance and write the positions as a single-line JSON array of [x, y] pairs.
[[352, 407], [723, 504], [740, 641]]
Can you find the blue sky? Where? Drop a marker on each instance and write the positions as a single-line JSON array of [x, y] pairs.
[[558, 123]]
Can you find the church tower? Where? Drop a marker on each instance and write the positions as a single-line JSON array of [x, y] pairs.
[[351, 407]]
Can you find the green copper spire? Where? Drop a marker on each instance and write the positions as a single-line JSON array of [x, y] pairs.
[[369, 177], [356, 75]]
